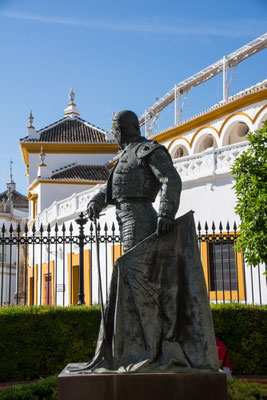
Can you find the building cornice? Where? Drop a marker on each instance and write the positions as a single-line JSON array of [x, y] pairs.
[[66, 148], [32, 196], [37, 182], [210, 116]]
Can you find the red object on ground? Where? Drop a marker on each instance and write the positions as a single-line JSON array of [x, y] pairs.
[[223, 355]]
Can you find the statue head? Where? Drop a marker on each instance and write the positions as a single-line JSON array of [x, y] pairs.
[[125, 127]]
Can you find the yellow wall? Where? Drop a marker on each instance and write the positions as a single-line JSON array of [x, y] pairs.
[[227, 295], [116, 252], [73, 259], [34, 209], [32, 284], [45, 272]]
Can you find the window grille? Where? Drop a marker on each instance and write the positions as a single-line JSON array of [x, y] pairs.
[[223, 268]]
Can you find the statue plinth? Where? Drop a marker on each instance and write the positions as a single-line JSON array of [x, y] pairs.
[[142, 386]]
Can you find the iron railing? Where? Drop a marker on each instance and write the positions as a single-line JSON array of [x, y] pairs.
[[36, 265]]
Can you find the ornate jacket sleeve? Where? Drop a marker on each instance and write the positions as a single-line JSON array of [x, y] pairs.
[[162, 167], [100, 197]]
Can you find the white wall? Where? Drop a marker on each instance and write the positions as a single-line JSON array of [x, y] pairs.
[[51, 192], [211, 200]]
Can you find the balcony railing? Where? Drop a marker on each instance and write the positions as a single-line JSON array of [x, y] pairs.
[[209, 163]]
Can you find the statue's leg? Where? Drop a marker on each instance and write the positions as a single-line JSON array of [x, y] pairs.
[[137, 220]]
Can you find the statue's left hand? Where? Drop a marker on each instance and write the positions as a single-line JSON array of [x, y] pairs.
[[165, 225]]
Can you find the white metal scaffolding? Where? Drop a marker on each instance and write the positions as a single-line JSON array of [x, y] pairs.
[[223, 65]]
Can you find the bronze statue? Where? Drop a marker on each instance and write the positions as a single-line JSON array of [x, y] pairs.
[[144, 168], [157, 317]]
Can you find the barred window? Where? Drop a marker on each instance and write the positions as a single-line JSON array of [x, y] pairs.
[[223, 268]]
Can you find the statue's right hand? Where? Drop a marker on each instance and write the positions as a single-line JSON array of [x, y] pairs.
[[93, 210]]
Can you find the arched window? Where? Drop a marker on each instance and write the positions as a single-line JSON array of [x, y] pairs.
[[264, 118], [204, 143], [179, 151], [208, 142], [237, 132]]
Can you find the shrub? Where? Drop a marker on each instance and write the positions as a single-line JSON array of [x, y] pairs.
[[243, 330], [241, 390], [45, 389], [40, 341], [250, 170]]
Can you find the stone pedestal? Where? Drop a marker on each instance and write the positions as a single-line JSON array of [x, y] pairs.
[[157, 386]]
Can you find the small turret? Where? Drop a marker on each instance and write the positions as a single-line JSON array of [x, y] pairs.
[[11, 185], [71, 110], [32, 134], [43, 170]]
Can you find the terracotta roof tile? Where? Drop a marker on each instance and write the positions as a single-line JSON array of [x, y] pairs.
[[19, 200], [82, 172], [71, 130]]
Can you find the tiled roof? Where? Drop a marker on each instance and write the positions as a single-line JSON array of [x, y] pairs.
[[19, 200], [82, 172], [71, 130]]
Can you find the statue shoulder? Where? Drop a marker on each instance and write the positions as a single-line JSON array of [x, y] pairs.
[[148, 147]]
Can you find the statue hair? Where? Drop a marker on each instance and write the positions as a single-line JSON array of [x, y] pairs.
[[128, 123]]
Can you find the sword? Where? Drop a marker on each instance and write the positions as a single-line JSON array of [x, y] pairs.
[[99, 279]]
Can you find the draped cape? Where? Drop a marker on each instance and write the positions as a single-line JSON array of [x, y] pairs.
[[158, 317]]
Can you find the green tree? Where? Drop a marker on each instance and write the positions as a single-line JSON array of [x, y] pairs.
[[250, 170]]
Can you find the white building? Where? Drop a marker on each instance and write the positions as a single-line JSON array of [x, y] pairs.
[[66, 157], [203, 149], [13, 211], [73, 154]]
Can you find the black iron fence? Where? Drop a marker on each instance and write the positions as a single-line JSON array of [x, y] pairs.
[[41, 266], [227, 276]]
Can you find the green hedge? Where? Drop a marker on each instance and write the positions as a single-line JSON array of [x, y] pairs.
[[243, 329], [39, 341], [47, 389], [242, 390]]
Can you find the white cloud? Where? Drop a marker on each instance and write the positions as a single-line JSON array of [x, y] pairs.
[[235, 28]]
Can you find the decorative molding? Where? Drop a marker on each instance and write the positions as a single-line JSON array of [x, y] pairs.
[[36, 182], [210, 115], [203, 128], [66, 148], [258, 113], [179, 138], [32, 196], [209, 163], [231, 116]]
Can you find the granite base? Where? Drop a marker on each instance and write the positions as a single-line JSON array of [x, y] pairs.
[[142, 386]]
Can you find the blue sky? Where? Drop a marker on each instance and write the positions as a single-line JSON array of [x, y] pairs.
[[116, 55]]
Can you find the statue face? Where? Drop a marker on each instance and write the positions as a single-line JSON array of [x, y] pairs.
[[116, 132]]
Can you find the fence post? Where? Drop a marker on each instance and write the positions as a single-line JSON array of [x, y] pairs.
[[81, 221]]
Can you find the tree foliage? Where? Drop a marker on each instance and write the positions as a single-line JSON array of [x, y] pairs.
[[250, 170]]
